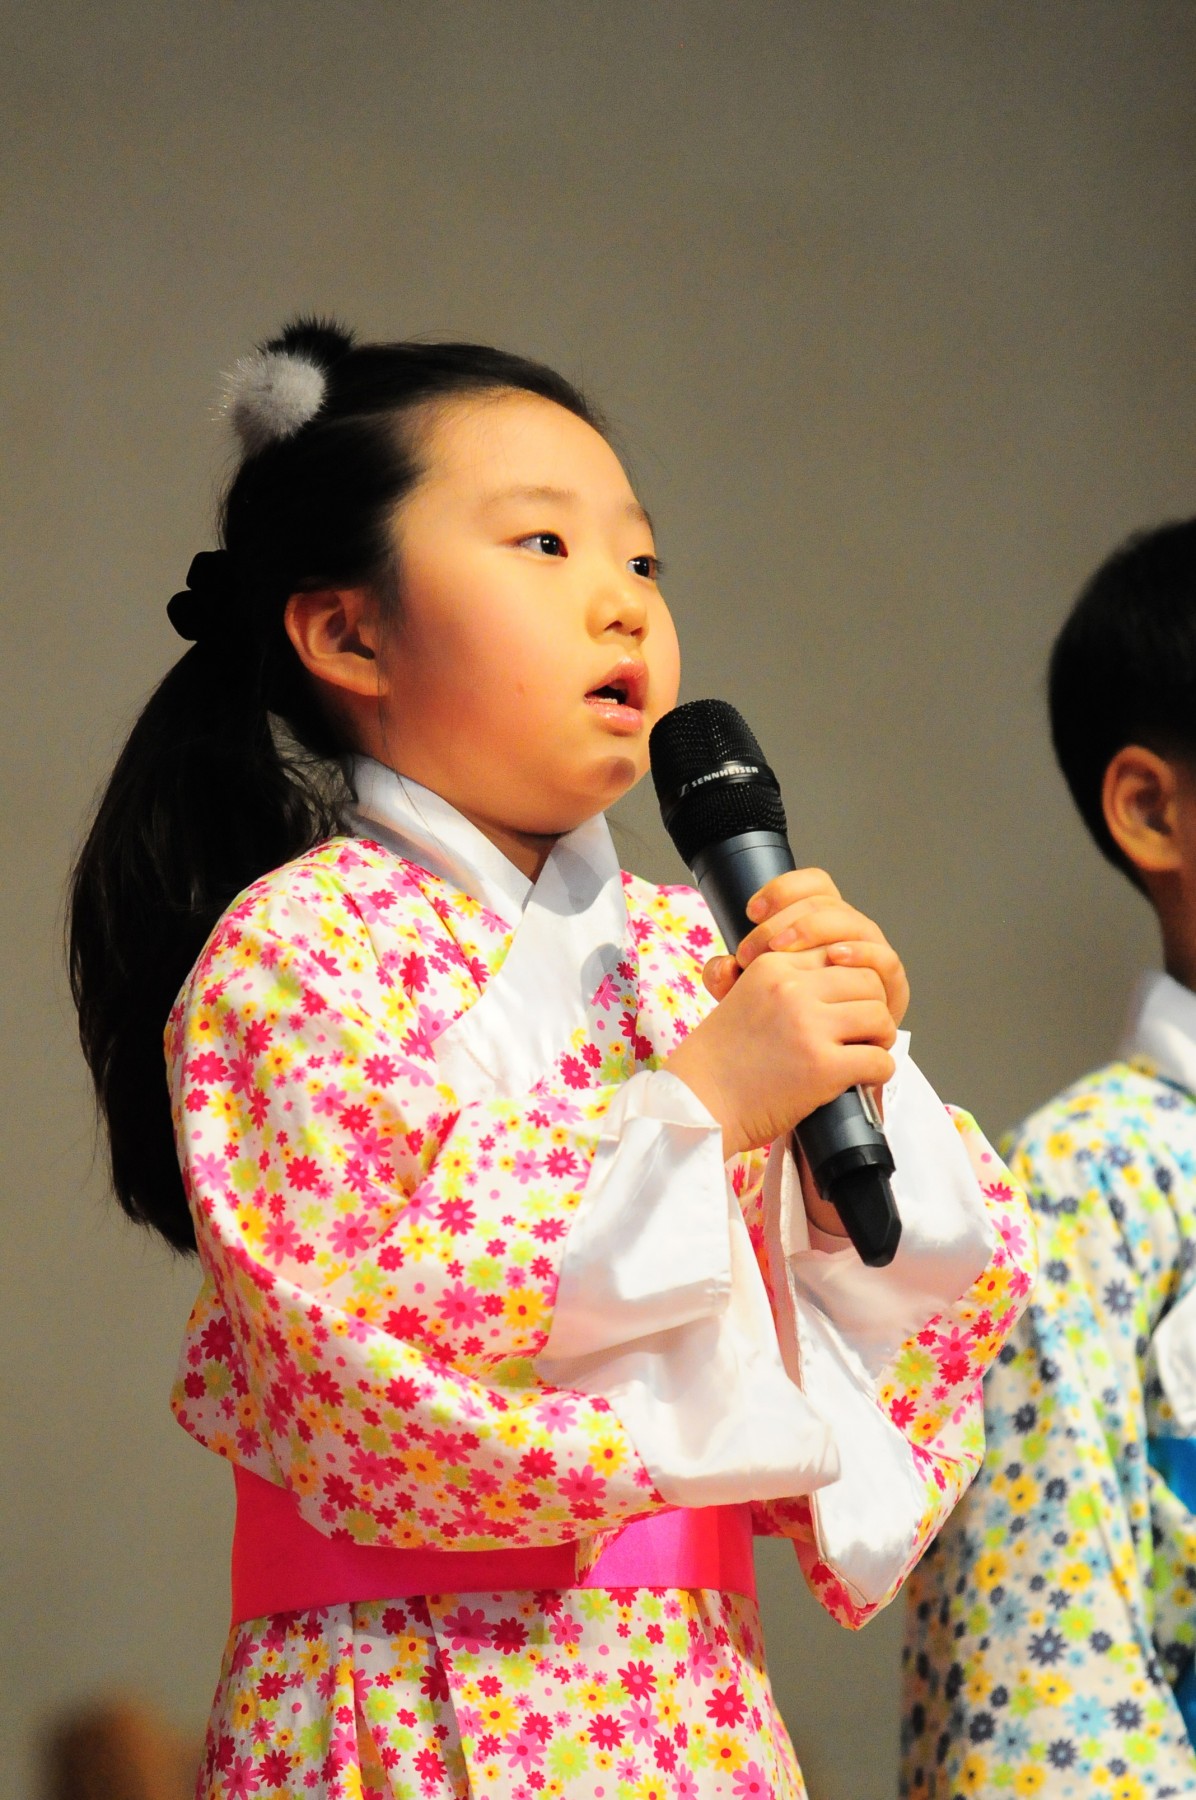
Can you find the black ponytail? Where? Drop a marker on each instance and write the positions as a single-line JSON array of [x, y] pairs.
[[231, 768]]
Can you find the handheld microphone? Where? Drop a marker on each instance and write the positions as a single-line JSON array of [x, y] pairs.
[[722, 807]]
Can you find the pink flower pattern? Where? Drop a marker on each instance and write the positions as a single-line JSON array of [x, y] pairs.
[[380, 1265]]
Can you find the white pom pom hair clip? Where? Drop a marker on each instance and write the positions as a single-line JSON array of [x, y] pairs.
[[270, 394]]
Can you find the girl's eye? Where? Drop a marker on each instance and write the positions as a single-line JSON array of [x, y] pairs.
[[650, 567], [544, 543]]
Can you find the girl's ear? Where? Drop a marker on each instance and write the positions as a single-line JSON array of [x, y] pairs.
[[1140, 797], [336, 634]]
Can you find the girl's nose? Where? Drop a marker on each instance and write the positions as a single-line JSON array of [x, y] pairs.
[[620, 606]]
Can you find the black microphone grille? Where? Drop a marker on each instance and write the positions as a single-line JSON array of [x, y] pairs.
[[711, 778]]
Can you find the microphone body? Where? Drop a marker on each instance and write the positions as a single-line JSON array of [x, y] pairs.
[[722, 807]]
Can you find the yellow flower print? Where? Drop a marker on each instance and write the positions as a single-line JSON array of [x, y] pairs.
[[498, 1715], [973, 1777], [991, 1570], [420, 1463], [512, 1428], [524, 1309], [1052, 1690], [244, 1709], [1029, 1780], [607, 1454], [1127, 1787], [1075, 1577], [651, 1787], [312, 1658], [1022, 1494], [726, 1750]]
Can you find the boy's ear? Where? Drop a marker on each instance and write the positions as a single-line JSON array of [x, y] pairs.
[[1140, 797], [336, 635]]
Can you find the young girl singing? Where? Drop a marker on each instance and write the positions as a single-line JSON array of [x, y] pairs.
[[513, 1327]]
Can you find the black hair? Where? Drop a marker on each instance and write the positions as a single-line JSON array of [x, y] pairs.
[[1123, 669], [209, 793]]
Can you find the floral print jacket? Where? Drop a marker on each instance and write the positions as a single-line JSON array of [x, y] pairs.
[[1048, 1625], [468, 1254]]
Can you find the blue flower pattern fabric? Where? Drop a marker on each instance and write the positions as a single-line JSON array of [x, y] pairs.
[[1051, 1627]]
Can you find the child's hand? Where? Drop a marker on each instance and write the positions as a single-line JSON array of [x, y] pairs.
[[804, 914], [786, 1038]]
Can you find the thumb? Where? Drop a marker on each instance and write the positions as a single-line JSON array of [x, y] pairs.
[[720, 975]]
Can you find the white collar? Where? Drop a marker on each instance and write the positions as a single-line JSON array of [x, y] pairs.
[[426, 830], [568, 931], [1162, 1028]]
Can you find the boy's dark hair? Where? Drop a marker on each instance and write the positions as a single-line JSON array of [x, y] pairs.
[[207, 795], [1123, 669]]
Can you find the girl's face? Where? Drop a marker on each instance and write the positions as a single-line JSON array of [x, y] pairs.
[[533, 651]]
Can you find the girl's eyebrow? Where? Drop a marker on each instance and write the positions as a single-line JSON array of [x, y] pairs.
[[564, 497]]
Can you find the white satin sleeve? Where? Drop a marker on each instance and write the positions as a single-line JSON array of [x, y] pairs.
[[661, 1310], [841, 1323]]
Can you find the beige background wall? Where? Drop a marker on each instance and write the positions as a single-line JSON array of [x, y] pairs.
[[892, 305]]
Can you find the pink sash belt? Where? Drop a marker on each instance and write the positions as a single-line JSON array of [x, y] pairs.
[[283, 1564]]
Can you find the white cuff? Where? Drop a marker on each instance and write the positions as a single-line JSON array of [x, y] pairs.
[[662, 1311], [648, 1248], [947, 1237], [840, 1323]]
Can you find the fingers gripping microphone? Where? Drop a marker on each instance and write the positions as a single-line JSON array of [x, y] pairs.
[[722, 808]]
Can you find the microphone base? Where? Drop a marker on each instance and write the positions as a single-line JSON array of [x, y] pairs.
[[863, 1199]]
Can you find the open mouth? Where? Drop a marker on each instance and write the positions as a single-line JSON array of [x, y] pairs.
[[624, 687]]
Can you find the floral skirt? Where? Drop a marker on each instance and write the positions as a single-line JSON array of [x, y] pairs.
[[632, 1694]]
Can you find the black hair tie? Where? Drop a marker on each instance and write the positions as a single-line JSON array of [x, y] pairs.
[[209, 602]]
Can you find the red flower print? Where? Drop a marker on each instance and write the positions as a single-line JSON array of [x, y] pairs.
[[467, 1629], [639, 1678], [460, 1305], [208, 1067], [324, 1386], [276, 1764], [664, 1753], [339, 1492], [413, 972], [583, 1489], [605, 1732], [381, 1070], [510, 1635], [216, 1339], [901, 1410], [536, 1465], [281, 1239], [726, 1707], [402, 1392], [257, 1037], [560, 1162], [303, 1172], [350, 1234], [242, 1779], [434, 1682], [405, 1322], [576, 1074], [430, 1764], [456, 1216], [547, 1231]]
